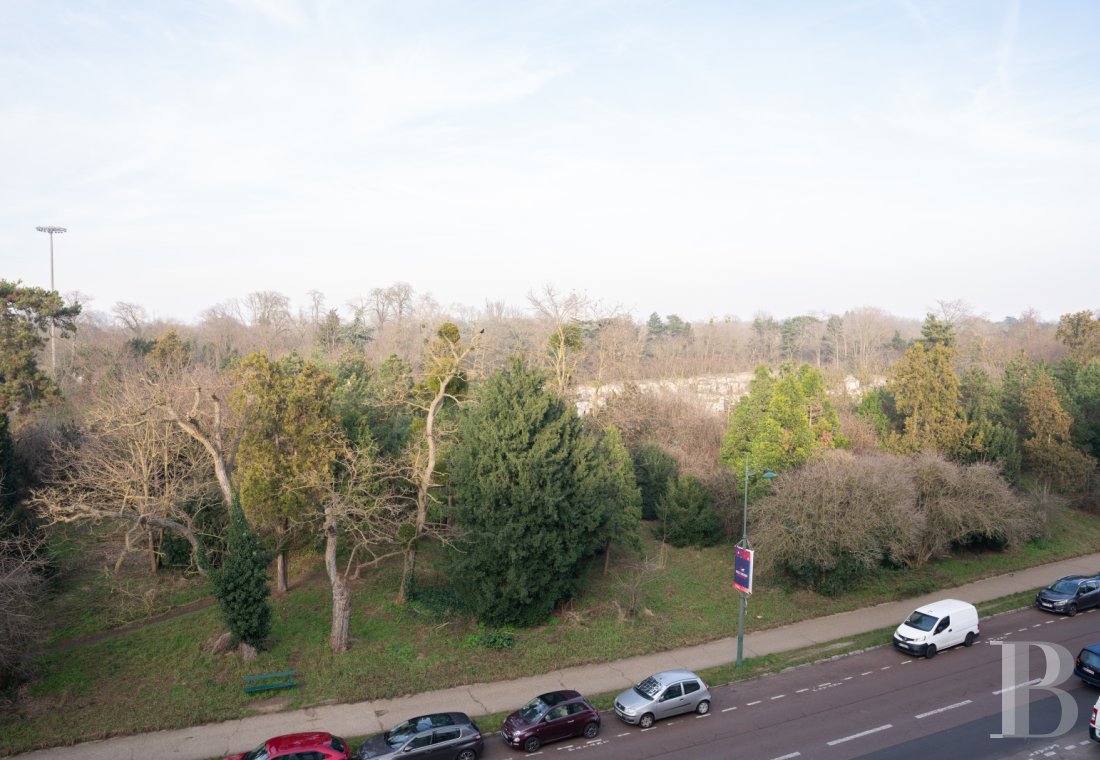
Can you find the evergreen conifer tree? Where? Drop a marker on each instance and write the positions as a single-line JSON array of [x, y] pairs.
[[240, 584], [531, 500]]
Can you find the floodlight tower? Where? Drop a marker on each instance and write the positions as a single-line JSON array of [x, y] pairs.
[[53, 343]]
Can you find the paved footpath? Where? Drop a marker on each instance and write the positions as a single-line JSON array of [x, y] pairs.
[[220, 739]]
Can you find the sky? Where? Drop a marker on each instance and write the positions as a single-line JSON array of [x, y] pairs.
[[704, 159]]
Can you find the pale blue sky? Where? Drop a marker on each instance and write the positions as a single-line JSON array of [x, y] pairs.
[[698, 158]]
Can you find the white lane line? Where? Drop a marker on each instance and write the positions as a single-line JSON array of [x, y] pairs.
[[788, 757], [860, 735], [906, 662], [942, 709], [778, 696], [1020, 630], [755, 703], [729, 708], [885, 667], [1032, 682], [802, 690], [827, 683], [849, 678], [704, 715], [620, 736], [869, 672]]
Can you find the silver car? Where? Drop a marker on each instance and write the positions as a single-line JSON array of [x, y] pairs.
[[661, 695]]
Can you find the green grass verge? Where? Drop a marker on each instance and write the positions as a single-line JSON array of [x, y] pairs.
[[158, 677]]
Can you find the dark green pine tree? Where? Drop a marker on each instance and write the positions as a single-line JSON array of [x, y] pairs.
[[240, 584], [530, 500]]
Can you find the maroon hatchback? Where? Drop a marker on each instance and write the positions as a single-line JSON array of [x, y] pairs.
[[550, 717], [315, 745]]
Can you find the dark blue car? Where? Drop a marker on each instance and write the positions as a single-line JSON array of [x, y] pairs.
[[1087, 665]]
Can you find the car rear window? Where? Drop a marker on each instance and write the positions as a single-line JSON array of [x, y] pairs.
[[1090, 658]]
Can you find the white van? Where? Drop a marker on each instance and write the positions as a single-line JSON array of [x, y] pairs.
[[937, 626]]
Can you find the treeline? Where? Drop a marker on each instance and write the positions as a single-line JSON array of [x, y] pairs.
[[227, 444]]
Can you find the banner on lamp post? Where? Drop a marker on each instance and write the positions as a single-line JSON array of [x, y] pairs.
[[742, 570]]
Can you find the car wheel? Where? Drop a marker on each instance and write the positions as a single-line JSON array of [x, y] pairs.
[[703, 707], [467, 754], [1071, 610], [532, 744], [930, 652], [646, 721], [591, 730], [969, 639]]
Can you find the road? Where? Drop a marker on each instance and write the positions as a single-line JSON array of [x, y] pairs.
[[880, 703]]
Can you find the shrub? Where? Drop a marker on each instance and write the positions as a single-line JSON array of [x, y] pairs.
[[688, 515]]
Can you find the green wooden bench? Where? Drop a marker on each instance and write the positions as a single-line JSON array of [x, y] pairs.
[[265, 681]]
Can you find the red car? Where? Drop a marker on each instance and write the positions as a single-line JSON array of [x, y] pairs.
[[316, 745]]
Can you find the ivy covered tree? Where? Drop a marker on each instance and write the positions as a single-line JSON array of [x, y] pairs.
[[531, 499], [240, 584], [926, 392], [782, 421], [291, 434], [1049, 452]]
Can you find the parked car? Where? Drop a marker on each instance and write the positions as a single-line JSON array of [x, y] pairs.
[[1087, 665], [1093, 727], [550, 717], [661, 695], [315, 745], [442, 736], [936, 626], [1070, 595]]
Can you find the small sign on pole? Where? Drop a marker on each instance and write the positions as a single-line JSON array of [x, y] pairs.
[[742, 570]]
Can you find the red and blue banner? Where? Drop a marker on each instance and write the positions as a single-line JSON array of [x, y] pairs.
[[742, 570]]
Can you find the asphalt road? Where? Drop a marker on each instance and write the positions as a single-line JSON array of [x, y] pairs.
[[881, 704]]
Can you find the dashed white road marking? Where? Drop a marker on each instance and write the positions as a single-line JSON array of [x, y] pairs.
[[869, 672], [729, 708], [1032, 682], [942, 709], [802, 690], [860, 735], [620, 736], [754, 703], [885, 667], [788, 757], [778, 696]]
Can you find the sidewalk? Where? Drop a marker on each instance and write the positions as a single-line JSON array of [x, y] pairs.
[[221, 739]]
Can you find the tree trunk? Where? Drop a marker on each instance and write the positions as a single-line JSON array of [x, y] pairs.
[[408, 575], [151, 545], [282, 584], [341, 597]]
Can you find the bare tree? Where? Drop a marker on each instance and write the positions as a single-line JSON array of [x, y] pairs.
[[22, 592], [444, 371], [360, 513], [564, 315], [131, 316], [131, 467]]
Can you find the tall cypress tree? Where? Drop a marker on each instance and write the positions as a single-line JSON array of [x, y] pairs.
[[530, 499], [240, 584]]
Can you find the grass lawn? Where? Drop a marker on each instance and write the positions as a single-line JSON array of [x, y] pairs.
[[158, 677]]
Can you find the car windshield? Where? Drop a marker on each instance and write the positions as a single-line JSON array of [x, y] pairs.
[[402, 732], [1063, 587], [533, 709], [260, 753], [648, 688], [922, 622]]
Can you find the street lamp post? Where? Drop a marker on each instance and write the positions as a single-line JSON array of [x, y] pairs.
[[53, 343], [745, 545]]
